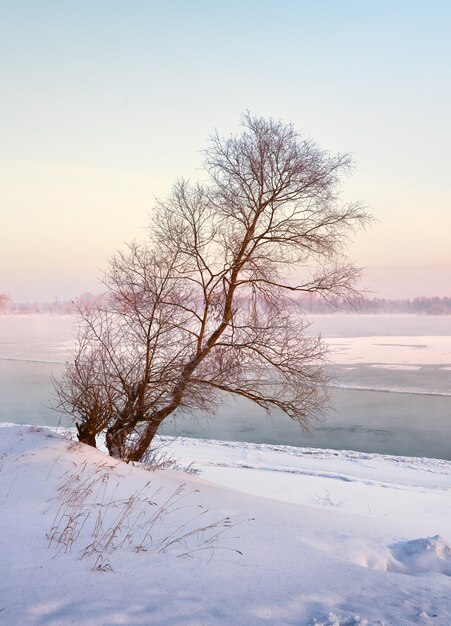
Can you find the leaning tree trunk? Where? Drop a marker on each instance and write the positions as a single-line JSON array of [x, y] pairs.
[[86, 434], [119, 445], [116, 435], [137, 450], [116, 439]]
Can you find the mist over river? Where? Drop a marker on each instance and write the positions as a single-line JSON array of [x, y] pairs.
[[392, 394]]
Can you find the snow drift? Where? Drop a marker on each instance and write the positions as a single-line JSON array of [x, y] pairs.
[[180, 549]]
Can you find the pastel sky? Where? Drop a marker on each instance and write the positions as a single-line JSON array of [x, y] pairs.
[[104, 104]]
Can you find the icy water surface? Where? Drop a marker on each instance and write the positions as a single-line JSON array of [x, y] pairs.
[[412, 416]]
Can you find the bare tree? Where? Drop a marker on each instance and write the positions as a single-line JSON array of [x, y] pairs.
[[204, 307]]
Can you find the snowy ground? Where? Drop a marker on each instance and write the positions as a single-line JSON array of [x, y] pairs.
[[262, 535], [289, 536]]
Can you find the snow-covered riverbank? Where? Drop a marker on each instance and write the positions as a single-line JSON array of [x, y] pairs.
[[263, 535]]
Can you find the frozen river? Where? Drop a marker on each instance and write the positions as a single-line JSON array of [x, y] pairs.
[[392, 393]]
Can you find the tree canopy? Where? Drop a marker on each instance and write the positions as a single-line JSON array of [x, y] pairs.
[[204, 307]]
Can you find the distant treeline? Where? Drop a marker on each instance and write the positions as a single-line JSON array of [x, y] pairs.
[[58, 307], [417, 306], [308, 303]]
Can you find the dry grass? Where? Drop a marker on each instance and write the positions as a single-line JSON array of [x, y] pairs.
[[158, 457], [92, 519], [326, 500]]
